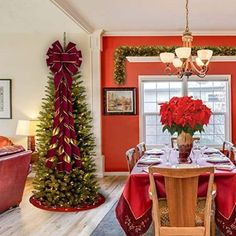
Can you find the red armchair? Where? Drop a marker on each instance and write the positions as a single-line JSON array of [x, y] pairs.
[[14, 167]]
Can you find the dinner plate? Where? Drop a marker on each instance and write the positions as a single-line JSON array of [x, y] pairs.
[[154, 151], [217, 158], [150, 161], [211, 151], [152, 157], [224, 167], [192, 165]]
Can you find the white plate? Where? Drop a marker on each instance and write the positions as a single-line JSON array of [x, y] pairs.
[[211, 151], [154, 151], [186, 165], [224, 167], [215, 158], [152, 157], [149, 161]]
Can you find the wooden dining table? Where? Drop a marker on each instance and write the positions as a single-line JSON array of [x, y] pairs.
[[133, 210]]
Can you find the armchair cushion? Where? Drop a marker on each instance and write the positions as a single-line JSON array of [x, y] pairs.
[[7, 150]]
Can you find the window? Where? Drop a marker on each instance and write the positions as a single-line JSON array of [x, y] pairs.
[[213, 90]]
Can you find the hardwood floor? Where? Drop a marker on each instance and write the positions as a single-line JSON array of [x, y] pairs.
[[28, 220]]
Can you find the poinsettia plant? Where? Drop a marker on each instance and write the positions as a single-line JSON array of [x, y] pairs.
[[184, 114]]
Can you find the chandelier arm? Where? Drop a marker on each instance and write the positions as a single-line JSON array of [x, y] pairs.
[[201, 73]]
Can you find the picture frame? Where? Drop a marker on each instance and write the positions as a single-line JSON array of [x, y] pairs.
[[119, 101], [5, 99]]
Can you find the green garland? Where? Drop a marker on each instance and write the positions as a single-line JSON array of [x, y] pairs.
[[124, 51]]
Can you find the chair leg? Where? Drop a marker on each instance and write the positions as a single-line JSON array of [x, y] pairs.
[[213, 225]]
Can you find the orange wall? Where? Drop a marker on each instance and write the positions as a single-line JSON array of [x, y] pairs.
[[120, 133]]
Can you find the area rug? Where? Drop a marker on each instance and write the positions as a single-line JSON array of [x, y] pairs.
[[109, 226]]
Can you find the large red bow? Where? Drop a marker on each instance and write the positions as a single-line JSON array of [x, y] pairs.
[[63, 149], [63, 63]]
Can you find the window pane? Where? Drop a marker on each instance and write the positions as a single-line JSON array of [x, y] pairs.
[[149, 85], [149, 96], [209, 129], [150, 107], [219, 119], [151, 140], [219, 129], [163, 139], [151, 120], [151, 130], [159, 129]]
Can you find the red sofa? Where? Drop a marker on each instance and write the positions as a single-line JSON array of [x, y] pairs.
[[14, 168]]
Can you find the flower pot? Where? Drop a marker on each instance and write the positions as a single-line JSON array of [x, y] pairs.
[[185, 144]]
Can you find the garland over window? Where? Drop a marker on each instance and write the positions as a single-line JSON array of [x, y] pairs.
[[126, 51]]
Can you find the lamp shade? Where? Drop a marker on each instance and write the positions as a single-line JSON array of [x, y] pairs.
[[26, 127], [177, 63], [199, 62], [205, 54], [183, 52], [167, 57]]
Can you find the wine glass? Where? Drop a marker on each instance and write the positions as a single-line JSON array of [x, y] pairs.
[[196, 153], [167, 151], [196, 144]]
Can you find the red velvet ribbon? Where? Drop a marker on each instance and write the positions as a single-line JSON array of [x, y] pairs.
[[63, 149]]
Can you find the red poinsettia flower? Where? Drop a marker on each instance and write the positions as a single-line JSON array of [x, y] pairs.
[[184, 114]]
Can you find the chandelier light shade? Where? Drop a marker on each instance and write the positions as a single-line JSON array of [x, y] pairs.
[[183, 61]]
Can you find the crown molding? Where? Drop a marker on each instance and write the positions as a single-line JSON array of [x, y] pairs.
[[157, 59], [78, 19], [168, 33]]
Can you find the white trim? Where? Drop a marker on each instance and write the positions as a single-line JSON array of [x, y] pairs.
[[157, 59], [95, 50], [229, 111], [116, 173], [78, 19], [168, 33], [141, 134]]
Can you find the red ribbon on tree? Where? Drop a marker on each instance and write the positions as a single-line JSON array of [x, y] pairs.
[[63, 146]]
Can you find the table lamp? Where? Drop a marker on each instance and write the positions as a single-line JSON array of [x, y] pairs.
[[28, 128]]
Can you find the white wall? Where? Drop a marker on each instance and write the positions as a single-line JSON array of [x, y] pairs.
[[22, 59]]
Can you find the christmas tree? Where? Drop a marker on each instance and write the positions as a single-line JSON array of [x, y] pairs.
[[76, 187]]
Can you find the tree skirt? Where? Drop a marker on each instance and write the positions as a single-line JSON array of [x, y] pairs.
[[39, 204]]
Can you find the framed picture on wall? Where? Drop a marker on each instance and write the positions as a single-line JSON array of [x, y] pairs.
[[120, 101], [5, 99]]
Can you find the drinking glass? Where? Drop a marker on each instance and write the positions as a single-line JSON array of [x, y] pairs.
[[167, 151], [196, 144], [196, 154]]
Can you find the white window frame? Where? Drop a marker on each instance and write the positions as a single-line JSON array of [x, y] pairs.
[[153, 78]]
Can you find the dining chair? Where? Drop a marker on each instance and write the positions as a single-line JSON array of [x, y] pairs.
[[130, 157], [227, 149], [174, 141], [182, 212], [141, 148], [234, 152]]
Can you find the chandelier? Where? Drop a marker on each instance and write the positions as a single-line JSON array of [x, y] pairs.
[[184, 64]]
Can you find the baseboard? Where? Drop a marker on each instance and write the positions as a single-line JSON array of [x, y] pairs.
[[116, 173]]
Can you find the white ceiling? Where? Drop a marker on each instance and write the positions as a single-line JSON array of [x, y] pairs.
[[33, 16], [160, 16], [118, 17]]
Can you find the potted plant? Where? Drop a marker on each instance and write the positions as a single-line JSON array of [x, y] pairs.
[[185, 116]]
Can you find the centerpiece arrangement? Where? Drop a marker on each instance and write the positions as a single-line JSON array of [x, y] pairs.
[[185, 116]]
